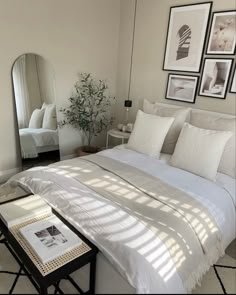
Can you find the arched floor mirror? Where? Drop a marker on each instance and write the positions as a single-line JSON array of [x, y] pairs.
[[34, 90]]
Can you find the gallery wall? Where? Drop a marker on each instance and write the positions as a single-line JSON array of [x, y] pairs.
[[74, 36], [92, 36], [148, 79]]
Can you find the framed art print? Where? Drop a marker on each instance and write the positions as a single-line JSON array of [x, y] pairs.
[[233, 83], [182, 88], [215, 77], [186, 36], [223, 32]]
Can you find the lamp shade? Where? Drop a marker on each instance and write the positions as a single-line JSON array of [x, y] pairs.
[[128, 103]]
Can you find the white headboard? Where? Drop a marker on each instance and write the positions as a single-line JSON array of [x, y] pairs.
[[215, 121], [213, 114]]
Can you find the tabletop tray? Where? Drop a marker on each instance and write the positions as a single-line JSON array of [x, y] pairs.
[[54, 264]]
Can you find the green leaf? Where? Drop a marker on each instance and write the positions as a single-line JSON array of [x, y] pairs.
[[89, 107]]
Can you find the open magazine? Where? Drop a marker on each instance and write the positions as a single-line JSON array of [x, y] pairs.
[[50, 238]]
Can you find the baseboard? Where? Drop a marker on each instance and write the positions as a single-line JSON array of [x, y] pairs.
[[5, 175], [68, 157]]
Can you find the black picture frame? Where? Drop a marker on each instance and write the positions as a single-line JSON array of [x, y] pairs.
[[185, 80], [230, 31], [232, 79], [215, 89], [184, 30]]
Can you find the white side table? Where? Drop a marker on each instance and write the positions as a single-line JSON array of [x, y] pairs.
[[117, 134]]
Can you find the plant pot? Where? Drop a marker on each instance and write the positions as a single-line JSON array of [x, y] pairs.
[[87, 150]]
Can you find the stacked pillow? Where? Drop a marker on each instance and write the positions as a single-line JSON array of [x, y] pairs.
[[180, 116], [36, 119], [202, 151], [44, 118], [50, 117], [149, 133], [228, 161]]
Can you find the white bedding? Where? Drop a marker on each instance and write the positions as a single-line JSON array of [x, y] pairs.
[[222, 180], [213, 195], [32, 140], [219, 197]]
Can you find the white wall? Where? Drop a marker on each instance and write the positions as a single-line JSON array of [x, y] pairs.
[[148, 79], [74, 36]]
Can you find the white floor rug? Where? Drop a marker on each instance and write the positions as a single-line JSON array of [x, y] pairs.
[[220, 279]]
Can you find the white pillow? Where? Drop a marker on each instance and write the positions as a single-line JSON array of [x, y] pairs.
[[149, 133], [36, 119], [180, 115], [228, 160], [44, 106], [50, 117], [199, 150]]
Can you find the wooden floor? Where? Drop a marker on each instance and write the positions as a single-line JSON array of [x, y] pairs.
[[43, 159]]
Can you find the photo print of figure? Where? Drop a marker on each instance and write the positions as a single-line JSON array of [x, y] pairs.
[[215, 77]]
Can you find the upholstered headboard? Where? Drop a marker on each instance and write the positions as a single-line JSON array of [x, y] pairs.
[[208, 120], [198, 111]]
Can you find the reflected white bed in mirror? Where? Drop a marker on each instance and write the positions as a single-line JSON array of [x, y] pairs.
[[34, 89]]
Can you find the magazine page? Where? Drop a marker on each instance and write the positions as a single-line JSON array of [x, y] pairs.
[[50, 238]]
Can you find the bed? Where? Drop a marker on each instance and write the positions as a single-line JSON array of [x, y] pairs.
[[34, 141], [158, 228]]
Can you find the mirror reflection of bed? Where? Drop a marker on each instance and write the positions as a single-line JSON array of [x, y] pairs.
[[34, 91]]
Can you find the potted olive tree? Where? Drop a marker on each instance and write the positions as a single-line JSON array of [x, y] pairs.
[[89, 110]]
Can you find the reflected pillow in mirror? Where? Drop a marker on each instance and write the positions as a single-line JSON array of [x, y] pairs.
[[50, 117], [44, 105], [36, 119]]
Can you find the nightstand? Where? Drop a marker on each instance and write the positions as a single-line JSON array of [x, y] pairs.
[[117, 134]]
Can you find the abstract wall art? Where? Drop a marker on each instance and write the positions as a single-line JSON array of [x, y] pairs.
[[186, 36]]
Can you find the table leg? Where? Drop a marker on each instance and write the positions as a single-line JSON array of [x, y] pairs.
[[1, 236], [92, 276], [107, 141], [43, 290]]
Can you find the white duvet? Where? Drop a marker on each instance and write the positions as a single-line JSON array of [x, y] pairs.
[[84, 209], [219, 197]]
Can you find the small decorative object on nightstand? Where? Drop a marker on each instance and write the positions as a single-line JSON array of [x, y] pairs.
[[117, 134]]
